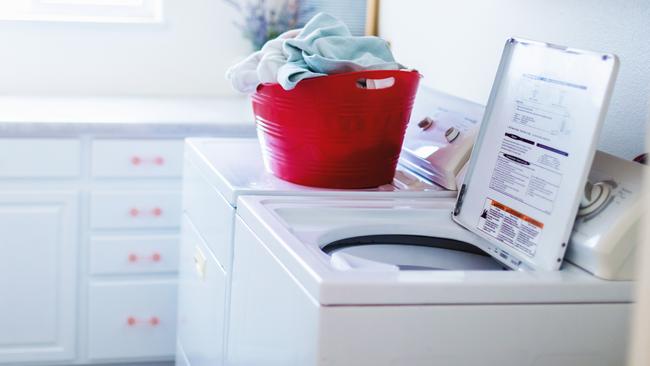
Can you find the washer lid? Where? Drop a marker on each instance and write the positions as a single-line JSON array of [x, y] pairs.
[[533, 152]]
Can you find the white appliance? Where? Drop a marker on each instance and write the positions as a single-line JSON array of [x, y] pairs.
[[267, 298], [396, 282], [606, 232], [318, 281], [218, 171]]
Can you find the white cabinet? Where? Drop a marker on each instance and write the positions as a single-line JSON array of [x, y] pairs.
[[90, 211], [132, 320], [116, 255], [151, 209], [30, 158], [38, 275], [134, 218], [89, 251], [88, 245], [137, 158]]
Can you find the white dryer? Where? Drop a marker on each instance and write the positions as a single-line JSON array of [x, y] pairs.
[[397, 282]]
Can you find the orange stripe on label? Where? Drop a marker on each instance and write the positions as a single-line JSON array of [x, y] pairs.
[[518, 214]]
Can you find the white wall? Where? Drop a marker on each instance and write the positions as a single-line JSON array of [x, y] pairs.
[[187, 55], [457, 46]]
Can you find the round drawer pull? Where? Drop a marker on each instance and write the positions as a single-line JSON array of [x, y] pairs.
[[131, 321], [136, 160], [156, 211], [134, 212], [133, 258], [154, 321], [156, 257], [159, 160]]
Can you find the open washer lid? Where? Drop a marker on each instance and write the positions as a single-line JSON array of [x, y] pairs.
[[534, 150]]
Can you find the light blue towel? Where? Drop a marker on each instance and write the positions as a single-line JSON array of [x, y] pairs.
[[325, 46]]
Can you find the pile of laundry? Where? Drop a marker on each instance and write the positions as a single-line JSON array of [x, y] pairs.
[[323, 47]]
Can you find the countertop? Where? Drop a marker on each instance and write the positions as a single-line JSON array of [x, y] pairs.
[[126, 116]]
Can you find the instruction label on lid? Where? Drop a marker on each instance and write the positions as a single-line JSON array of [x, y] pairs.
[[534, 150], [510, 226]]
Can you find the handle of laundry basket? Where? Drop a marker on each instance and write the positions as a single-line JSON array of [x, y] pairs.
[[390, 79], [374, 74]]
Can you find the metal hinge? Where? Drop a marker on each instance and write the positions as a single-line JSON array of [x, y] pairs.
[[459, 200]]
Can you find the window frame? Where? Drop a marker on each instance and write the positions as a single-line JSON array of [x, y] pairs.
[[91, 11]]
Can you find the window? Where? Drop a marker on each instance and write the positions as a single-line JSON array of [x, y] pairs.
[[351, 12], [99, 11]]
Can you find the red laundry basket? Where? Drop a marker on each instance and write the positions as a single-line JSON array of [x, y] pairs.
[[332, 132]]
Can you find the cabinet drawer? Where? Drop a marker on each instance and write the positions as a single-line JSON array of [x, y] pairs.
[[202, 306], [136, 320], [39, 158], [132, 210], [137, 158], [133, 254], [212, 215]]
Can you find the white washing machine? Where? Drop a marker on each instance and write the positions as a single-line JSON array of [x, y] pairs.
[[397, 282], [471, 281], [218, 171], [301, 298]]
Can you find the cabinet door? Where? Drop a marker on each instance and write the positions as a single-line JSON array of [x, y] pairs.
[[38, 239]]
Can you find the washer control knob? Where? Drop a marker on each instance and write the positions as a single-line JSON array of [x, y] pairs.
[[595, 196], [426, 123], [452, 134]]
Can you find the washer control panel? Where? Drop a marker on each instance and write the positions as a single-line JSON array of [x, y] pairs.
[[440, 136], [596, 197], [605, 236]]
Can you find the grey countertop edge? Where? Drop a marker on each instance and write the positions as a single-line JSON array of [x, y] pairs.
[[132, 130]]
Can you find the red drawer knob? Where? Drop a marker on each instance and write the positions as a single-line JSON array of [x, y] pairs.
[[136, 160], [159, 160], [156, 257], [134, 212], [133, 258], [130, 321], [154, 321], [157, 211]]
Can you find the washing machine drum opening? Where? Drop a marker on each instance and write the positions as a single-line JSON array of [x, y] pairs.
[[410, 252]]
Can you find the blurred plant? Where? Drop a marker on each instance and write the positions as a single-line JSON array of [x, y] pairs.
[[263, 21]]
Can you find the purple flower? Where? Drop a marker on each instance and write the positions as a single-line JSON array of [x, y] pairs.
[[262, 22]]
